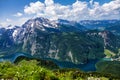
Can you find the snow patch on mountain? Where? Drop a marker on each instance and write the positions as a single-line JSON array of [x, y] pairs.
[[15, 33]]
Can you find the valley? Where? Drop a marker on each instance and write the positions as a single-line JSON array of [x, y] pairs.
[[67, 44], [34, 68], [59, 39]]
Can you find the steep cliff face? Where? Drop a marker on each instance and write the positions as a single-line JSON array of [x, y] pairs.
[[65, 42], [46, 39], [73, 47], [111, 41]]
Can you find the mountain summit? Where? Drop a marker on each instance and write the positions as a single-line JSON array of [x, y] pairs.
[[62, 40]]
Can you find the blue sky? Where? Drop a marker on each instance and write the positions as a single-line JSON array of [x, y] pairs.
[[12, 10], [9, 7]]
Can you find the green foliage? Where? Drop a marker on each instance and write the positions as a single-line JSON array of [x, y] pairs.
[[25, 70], [72, 74], [109, 53], [43, 63], [63, 44], [79, 45], [30, 70], [111, 67]]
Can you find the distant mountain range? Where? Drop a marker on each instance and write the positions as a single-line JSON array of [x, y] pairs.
[[62, 40], [99, 24]]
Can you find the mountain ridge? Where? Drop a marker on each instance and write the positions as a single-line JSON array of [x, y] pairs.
[[67, 42]]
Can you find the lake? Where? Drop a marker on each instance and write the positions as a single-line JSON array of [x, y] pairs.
[[89, 66], [13, 57]]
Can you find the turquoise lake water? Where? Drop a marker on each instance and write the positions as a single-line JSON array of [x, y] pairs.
[[89, 66]]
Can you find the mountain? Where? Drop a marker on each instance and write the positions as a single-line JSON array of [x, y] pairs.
[[62, 40], [114, 29], [68, 44], [1, 30], [111, 41], [99, 24], [5, 39], [46, 39], [70, 26]]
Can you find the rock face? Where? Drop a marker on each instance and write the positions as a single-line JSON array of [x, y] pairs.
[[56, 40], [111, 41]]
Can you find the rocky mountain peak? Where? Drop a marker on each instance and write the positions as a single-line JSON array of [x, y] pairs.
[[40, 23], [65, 40]]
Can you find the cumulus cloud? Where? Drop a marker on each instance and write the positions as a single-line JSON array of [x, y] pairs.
[[49, 2], [109, 10], [80, 10], [33, 8], [18, 14]]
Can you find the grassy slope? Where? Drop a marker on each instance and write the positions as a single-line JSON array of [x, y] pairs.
[[26, 69], [109, 53], [44, 63]]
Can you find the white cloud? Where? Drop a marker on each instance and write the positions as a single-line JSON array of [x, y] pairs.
[[77, 11], [49, 2], [34, 8], [18, 14], [109, 10]]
